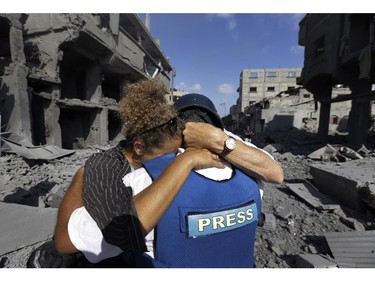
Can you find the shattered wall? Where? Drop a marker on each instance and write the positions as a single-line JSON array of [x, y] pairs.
[[258, 84], [339, 49], [63, 74], [14, 97], [272, 100], [296, 108]]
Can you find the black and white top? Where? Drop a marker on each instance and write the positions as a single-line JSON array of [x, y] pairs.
[[110, 202]]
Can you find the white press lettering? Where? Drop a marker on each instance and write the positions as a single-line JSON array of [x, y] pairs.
[[202, 223]]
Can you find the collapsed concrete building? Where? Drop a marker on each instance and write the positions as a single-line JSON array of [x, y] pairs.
[[61, 75], [257, 84], [339, 49], [296, 108], [271, 100]]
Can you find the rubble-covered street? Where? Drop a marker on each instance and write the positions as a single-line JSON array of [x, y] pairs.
[[63, 75], [300, 230]]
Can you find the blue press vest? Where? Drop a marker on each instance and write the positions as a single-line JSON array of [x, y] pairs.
[[209, 223]]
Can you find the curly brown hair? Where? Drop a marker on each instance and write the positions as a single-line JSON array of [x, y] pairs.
[[144, 107]]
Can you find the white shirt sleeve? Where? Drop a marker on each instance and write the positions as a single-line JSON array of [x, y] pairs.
[[87, 237]]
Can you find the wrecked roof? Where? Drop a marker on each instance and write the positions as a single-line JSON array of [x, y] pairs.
[[47, 152]]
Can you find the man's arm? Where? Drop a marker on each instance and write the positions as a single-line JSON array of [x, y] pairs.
[[71, 201], [251, 160]]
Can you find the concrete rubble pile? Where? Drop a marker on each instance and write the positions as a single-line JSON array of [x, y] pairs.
[[327, 197], [30, 193]]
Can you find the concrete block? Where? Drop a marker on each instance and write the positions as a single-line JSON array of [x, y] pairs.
[[352, 249], [287, 156], [314, 261], [277, 250], [344, 180], [54, 197], [354, 224], [271, 148], [312, 249], [270, 222], [285, 213], [312, 196], [21, 226]]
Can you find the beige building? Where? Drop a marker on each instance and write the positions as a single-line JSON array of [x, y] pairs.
[[258, 84], [298, 109], [271, 100], [176, 94]]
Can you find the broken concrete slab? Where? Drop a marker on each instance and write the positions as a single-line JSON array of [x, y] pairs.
[[276, 250], [345, 181], [284, 213], [335, 153], [270, 222], [47, 152], [274, 147], [353, 223], [54, 197], [314, 261], [311, 249], [287, 156], [369, 194], [325, 153], [17, 137], [312, 196], [348, 152], [21, 226], [353, 249], [363, 150]]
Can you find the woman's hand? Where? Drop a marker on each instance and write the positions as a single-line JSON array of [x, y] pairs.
[[201, 158]]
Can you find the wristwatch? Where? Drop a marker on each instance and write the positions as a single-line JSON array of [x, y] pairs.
[[229, 145]]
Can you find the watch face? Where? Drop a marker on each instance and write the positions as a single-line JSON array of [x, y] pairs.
[[230, 144]]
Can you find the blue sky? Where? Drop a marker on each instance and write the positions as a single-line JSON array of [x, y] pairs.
[[209, 51]]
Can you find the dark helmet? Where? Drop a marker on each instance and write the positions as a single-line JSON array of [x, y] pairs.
[[201, 103]]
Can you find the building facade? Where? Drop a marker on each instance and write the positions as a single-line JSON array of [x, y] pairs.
[[176, 94], [340, 49], [297, 109], [271, 100], [62, 75], [259, 84]]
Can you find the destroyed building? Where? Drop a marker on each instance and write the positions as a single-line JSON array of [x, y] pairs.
[[297, 108], [339, 49], [61, 75], [259, 84], [271, 99]]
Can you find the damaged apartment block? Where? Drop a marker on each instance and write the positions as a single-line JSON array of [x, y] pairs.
[[62, 75], [339, 50]]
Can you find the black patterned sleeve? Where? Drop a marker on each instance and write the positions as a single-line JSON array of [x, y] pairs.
[[110, 202]]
